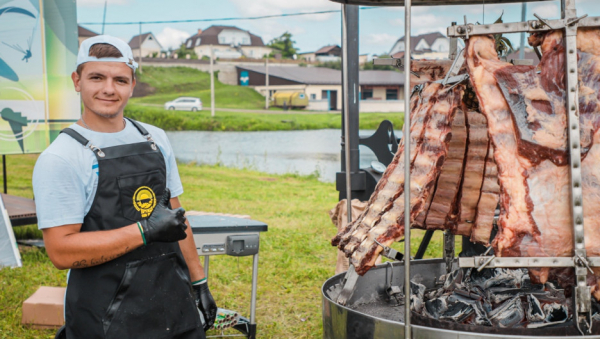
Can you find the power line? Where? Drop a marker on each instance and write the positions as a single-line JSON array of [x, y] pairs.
[[218, 19]]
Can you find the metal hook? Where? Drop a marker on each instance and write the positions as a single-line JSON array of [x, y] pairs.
[[574, 21], [542, 20]]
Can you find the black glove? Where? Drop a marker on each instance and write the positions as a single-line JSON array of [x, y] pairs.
[[164, 224], [206, 304]]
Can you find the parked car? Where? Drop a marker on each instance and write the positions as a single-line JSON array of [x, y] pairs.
[[184, 104]]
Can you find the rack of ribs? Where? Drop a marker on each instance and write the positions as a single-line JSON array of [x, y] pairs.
[[392, 181], [446, 194], [430, 153], [486, 207], [473, 173]]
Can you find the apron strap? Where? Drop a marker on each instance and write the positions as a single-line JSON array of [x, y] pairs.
[[138, 126], [73, 134]]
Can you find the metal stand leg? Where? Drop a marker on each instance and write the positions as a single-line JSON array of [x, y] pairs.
[[4, 174], [252, 329], [206, 259]]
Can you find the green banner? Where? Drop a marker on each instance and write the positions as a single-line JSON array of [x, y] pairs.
[[38, 51]]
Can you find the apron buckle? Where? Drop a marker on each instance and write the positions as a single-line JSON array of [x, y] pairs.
[[149, 138], [97, 150]]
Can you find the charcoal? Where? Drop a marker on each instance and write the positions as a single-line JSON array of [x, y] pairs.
[[556, 313], [505, 278], [457, 312], [479, 278], [509, 314], [453, 279], [417, 292], [435, 308], [499, 294], [481, 317], [534, 309]]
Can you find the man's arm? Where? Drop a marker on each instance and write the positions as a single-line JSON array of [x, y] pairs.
[[188, 249], [67, 247]]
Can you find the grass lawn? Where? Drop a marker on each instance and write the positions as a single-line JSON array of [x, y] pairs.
[[234, 121], [295, 254]]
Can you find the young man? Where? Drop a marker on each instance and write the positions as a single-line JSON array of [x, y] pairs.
[[106, 195]]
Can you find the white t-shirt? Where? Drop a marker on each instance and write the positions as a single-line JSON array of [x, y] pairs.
[[65, 176]]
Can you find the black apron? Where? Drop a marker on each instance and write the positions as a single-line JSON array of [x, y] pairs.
[[145, 293]]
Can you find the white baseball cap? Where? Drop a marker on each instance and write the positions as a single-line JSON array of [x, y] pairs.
[[84, 51]]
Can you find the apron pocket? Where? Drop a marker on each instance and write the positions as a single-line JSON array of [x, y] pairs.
[[140, 194], [153, 301]]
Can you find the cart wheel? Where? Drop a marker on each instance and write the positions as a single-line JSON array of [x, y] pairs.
[[61, 333]]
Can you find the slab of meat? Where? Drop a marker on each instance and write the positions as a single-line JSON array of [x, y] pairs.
[[534, 218], [424, 172], [588, 42], [473, 174], [428, 70], [446, 194], [391, 184], [488, 201]]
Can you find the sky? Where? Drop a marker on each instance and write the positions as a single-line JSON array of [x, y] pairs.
[[379, 27]]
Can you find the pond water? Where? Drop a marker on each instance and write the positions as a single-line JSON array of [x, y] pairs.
[[300, 152]]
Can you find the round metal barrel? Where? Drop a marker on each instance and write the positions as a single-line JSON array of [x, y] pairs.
[[370, 313]]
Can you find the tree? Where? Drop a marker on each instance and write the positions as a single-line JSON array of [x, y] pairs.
[[284, 45], [370, 66], [182, 51]]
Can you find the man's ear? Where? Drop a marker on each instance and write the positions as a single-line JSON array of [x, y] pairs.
[[76, 79]]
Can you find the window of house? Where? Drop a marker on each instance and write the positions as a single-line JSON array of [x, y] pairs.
[[189, 44], [323, 94], [198, 42], [313, 97], [246, 41], [222, 40], [366, 94], [391, 94]]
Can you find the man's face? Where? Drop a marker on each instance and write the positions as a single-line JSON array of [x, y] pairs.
[[105, 87]]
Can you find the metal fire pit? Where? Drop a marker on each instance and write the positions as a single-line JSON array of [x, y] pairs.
[[370, 314]]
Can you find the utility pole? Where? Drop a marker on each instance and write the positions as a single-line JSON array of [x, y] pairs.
[[212, 83], [104, 17], [140, 42], [267, 95]]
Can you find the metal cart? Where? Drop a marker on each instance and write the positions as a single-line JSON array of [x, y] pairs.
[[222, 235]]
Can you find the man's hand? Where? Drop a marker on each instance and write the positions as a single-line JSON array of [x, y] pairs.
[[206, 303], [164, 225]]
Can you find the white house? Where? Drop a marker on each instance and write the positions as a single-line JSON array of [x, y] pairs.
[[425, 46], [150, 45], [227, 42]]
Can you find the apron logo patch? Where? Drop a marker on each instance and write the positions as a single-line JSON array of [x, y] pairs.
[[144, 200]]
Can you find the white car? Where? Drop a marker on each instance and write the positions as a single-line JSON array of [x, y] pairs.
[[185, 104]]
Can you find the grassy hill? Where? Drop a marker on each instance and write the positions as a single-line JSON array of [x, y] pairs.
[[170, 83]]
